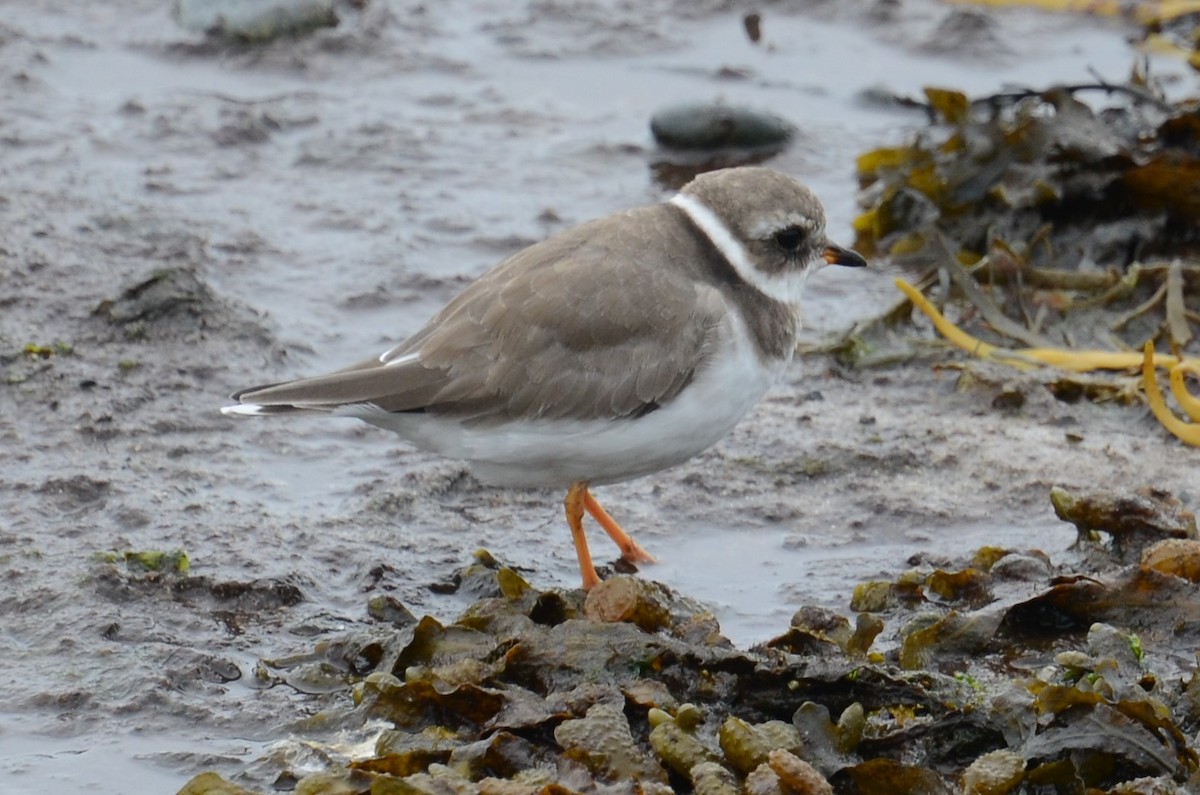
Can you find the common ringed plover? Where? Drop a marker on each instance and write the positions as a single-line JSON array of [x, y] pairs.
[[618, 348]]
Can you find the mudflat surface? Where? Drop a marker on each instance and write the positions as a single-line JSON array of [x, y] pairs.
[[312, 202]]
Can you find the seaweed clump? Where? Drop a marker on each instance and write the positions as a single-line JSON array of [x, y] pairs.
[[1041, 173], [1005, 673], [1059, 224], [1071, 230]]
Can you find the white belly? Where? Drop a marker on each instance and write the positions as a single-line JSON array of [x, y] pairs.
[[557, 453]]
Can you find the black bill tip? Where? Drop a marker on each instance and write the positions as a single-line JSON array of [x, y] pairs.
[[836, 255]]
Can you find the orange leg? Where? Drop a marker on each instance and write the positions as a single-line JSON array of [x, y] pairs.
[[630, 550], [577, 499]]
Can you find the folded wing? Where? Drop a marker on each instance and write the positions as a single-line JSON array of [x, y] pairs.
[[571, 328]]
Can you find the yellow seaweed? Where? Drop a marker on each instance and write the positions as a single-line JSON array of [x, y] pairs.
[[1146, 13], [1186, 432], [1023, 358], [1186, 400], [954, 106], [885, 157], [1106, 8], [951, 332], [1083, 361]]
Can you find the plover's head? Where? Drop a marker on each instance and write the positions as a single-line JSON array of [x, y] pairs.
[[768, 226]]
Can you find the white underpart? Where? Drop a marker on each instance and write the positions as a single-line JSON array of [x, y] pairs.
[[243, 410], [785, 287], [557, 453]]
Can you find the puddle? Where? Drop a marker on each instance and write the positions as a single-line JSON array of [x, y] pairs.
[[754, 580], [109, 762]]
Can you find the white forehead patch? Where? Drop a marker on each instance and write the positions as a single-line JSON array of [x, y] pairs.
[[785, 287]]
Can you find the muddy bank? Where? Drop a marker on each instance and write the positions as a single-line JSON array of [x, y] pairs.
[[181, 219]]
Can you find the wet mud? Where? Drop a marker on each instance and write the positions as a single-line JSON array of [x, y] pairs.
[[182, 217]]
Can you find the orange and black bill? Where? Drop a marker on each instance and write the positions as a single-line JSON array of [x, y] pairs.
[[836, 255]]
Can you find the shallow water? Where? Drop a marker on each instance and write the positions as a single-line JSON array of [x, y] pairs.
[[755, 591], [343, 188]]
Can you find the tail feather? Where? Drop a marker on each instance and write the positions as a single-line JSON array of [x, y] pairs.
[[407, 387], [238, 394]]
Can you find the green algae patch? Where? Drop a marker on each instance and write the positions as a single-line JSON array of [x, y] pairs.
[[156, 560], [36, 350]]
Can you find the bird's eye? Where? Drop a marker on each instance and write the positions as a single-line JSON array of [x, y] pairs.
[[789, 239]]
